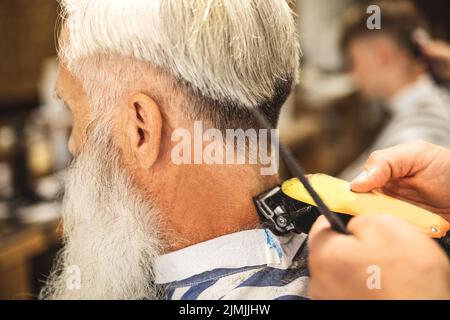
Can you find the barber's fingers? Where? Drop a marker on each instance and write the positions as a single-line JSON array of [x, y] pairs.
[[321, 236], [362, 227], [358, 227], [392, 163], [327, 249], [324, 243], [376, 173], [320, 225]]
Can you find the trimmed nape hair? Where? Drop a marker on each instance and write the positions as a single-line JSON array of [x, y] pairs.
[[229, 56]]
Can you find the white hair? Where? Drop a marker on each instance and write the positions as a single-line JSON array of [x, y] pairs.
[[225, 50], [111, 231]]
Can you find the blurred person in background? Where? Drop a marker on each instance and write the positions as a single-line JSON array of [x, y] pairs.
[[387, 70]]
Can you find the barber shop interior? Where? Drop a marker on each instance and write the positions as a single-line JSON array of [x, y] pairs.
[[126, 128]]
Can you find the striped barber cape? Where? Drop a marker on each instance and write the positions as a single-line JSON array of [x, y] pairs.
[[252, 264]]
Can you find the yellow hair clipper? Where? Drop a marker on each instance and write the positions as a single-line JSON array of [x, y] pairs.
[[295, 205], [290, 208]]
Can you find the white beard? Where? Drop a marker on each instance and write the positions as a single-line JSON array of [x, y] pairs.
[[110, 233]]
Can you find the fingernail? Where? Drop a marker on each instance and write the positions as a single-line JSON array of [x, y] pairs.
[[360, 178]]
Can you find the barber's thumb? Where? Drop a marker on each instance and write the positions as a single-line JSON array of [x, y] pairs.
[[318, 226], [368, 180]]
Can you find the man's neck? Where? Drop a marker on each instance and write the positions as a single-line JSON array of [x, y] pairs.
[[206, 202]]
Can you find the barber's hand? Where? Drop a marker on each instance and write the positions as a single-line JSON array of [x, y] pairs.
[[382, 250], [418, 172]]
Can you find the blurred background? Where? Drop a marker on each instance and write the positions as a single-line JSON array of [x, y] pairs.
[[326, 122]]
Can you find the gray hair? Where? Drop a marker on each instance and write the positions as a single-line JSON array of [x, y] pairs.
[[233, 54]]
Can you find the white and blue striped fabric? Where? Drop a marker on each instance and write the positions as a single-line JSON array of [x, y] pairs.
[[252, 264]]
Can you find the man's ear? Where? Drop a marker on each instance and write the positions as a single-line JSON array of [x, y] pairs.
[[144, 129]]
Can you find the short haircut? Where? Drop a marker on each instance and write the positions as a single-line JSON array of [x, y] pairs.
[[228, 56]]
